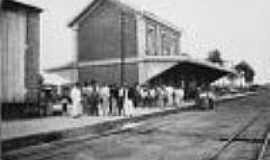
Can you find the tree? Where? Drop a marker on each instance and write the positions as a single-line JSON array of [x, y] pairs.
[[247, 70], [215, 57]]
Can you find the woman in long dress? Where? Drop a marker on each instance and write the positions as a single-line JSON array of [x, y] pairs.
[[105, 95], [76, 96], [169, 92], [128, 104], [179, 94]]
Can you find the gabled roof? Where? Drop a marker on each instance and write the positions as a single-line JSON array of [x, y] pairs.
[[14, 4], [88, 9], [125, 6]]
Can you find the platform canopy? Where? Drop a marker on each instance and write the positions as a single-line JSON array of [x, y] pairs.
[[201, 71]]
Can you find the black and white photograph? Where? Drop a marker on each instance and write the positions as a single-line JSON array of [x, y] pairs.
[[135, 79]]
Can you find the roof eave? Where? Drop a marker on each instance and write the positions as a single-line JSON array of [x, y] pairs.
[[162, 21], [124, 7], [88, 9], [14, 3]]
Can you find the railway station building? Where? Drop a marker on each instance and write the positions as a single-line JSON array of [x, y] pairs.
[[118, 42]]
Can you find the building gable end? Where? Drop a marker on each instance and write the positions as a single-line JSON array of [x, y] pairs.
[[86, 12], [98, 3]]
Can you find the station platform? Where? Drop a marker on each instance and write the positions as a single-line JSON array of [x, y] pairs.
[[22, 128], [22, 133]]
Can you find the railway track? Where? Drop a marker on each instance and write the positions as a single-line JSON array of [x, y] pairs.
[[229, 141], [53, 150], [264, 152]]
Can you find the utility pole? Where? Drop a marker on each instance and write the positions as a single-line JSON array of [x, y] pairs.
[[123, 28]]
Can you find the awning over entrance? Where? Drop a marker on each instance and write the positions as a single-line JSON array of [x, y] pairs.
[[191, 70]]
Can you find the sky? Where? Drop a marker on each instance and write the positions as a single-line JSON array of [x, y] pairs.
[[240, 29]]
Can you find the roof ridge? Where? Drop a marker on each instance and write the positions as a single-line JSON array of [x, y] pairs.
[[147, 13], [125, 5]]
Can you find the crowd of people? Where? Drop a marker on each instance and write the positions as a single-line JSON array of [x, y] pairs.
[[97, 99]]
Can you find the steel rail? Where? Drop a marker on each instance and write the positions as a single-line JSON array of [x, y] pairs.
[[263, 147], [231, 139]]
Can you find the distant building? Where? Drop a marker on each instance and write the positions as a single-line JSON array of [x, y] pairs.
[[20, 45], [116, 42]]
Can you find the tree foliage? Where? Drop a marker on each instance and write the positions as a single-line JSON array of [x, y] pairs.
[[215, 57], [247, 70]]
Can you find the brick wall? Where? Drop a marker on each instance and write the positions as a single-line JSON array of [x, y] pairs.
[[99, 34], [109, 74]]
